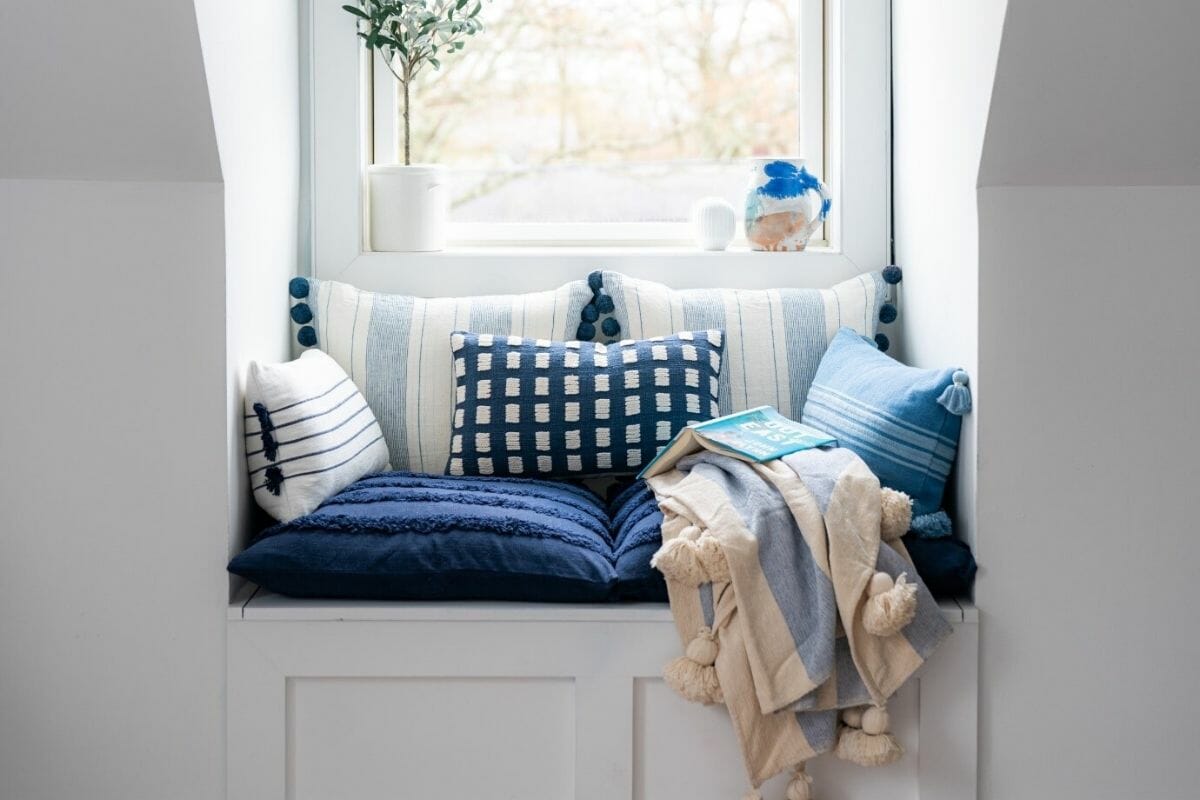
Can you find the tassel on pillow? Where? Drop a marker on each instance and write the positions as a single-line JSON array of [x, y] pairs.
[[957, 397], [693, 675], [891, 604]]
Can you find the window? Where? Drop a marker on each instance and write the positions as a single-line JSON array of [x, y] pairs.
[[585, 129], [604, 120]]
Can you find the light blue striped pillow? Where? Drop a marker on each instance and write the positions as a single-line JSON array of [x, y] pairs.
[[396, 349], [890, 414], [774, 337]]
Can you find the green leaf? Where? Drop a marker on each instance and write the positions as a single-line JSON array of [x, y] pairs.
[[436, 64], [358, 12]]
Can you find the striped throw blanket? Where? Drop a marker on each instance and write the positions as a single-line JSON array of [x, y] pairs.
[[795, 602]]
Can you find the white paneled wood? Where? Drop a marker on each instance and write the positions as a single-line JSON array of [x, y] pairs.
[[431, 737], [328, 699]]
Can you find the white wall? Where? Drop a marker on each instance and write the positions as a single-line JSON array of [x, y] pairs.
[[944, 58], [1089, 426], [120, 484], [253, 78]]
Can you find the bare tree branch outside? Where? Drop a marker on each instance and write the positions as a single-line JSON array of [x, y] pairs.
[[610, 110]]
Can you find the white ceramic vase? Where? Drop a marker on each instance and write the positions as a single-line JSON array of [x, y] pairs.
[[409, 206], [785, 204], [714, 222]]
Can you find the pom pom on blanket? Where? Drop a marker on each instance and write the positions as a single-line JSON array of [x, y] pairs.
[[853, 717], [692, 558], [897, 514], [679, 561], [800, 785], [693, 675], [866, 749], [712, 559], [891, 605]]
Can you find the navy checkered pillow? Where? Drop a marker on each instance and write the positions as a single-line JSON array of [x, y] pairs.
[[536, 407]]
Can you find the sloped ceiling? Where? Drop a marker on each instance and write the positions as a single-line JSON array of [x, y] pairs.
[[1096, 93], [110, 90]]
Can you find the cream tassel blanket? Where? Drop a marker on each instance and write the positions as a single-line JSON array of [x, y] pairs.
[[794, 599]]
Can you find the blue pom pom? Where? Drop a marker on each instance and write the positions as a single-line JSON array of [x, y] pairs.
[[932, 526], [298, 288], [306, 336], [893, 274], [610, 327], [596, 281], [301, 314], [590, 313], [604, 302], [882, 342], [957, 397], [585, 332], [887, 313]]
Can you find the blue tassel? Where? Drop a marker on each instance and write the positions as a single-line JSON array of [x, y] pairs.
[[932, 526], [590, 313], [893, 274], [957, 397], [585, 332], [887, 313], [274, 480], [265, 426], [604, 302], [610, 327], [595, 281]]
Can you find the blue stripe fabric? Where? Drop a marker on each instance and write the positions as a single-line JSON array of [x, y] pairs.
[[775, 337], [889, 414], [396, 349]]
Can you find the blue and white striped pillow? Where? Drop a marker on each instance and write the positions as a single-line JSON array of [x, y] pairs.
[[774, 337], [534, 407], [309, 434], [396, 349], [893, 416]]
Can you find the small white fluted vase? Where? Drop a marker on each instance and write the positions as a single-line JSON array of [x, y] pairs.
[[714, 223]]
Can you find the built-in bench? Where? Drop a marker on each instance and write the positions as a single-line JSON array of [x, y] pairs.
[[338, 699]]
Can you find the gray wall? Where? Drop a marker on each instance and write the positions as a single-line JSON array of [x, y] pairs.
[[944, 58], [1089, 427], [123, 354]]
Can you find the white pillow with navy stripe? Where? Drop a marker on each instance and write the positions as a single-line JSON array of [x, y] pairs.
[[309, 434]]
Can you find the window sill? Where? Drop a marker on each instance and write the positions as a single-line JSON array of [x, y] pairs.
[[515, 269]]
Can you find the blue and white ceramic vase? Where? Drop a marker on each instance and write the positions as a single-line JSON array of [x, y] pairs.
[[785, 204]]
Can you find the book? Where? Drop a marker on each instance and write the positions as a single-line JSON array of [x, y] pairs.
[[756, 435]]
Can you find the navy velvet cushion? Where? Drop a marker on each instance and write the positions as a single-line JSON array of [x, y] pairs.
[[401, 536], [946, 565], [570, 409], [637, 535]]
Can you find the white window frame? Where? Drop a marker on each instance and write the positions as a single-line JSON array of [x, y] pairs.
[[337, 141]]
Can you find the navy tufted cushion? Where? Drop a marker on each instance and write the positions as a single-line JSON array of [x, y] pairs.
[[401, 536], [537, 407], [637, 535]]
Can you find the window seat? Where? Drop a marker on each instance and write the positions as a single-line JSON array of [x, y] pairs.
[[350, 699]]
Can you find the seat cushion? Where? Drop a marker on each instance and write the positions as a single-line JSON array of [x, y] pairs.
[[403, 536], [946, 565], [637, 535]]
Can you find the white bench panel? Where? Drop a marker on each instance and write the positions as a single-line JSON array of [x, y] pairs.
[[329, 699]]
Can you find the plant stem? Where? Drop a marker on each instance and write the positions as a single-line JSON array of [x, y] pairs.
[[407, 131]]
